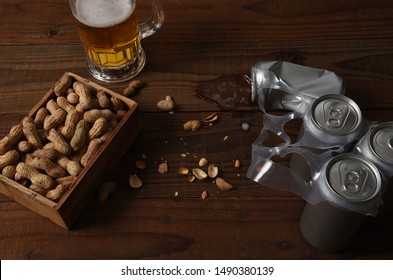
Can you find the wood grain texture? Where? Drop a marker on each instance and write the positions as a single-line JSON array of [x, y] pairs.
[[207, 21], [199, 41]]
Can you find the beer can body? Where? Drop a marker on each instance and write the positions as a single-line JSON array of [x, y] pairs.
[[329, 228]]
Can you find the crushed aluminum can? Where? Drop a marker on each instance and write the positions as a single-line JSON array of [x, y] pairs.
[[284, 85]]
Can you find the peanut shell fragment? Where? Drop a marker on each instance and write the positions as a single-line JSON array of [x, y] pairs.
[[135, 181], [223, 185], [211, 118]]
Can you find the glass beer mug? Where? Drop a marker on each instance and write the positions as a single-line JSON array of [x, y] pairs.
[[111, 35]]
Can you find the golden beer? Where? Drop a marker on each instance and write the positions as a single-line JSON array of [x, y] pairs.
[[111, 35], [109, 32]]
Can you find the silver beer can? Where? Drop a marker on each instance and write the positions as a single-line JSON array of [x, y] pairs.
[[289, 86], [377, 146], [351, 185], [332, 120]]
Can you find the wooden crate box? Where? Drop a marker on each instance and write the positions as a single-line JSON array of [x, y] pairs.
[[66, 210]]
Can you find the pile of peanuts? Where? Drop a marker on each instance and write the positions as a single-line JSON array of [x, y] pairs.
[[47, 151]]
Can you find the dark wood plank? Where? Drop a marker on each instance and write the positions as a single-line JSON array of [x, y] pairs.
[[207, 21], [177, 228], [368, 84]]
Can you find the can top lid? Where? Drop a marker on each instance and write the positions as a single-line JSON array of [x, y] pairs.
[[353, 177], [382, 141], [336, 114]]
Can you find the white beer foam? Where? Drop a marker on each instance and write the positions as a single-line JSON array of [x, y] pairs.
[[103, 13]]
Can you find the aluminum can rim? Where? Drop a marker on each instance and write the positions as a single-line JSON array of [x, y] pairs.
[[371, 143], [343, 98], [366, 162]]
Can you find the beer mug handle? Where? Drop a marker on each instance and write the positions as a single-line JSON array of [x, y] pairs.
[[155, 21]]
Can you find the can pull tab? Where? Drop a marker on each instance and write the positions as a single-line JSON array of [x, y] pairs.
[[336, 115], [353, 180]]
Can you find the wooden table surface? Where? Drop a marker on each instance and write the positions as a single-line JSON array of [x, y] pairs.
[[199, 41]]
